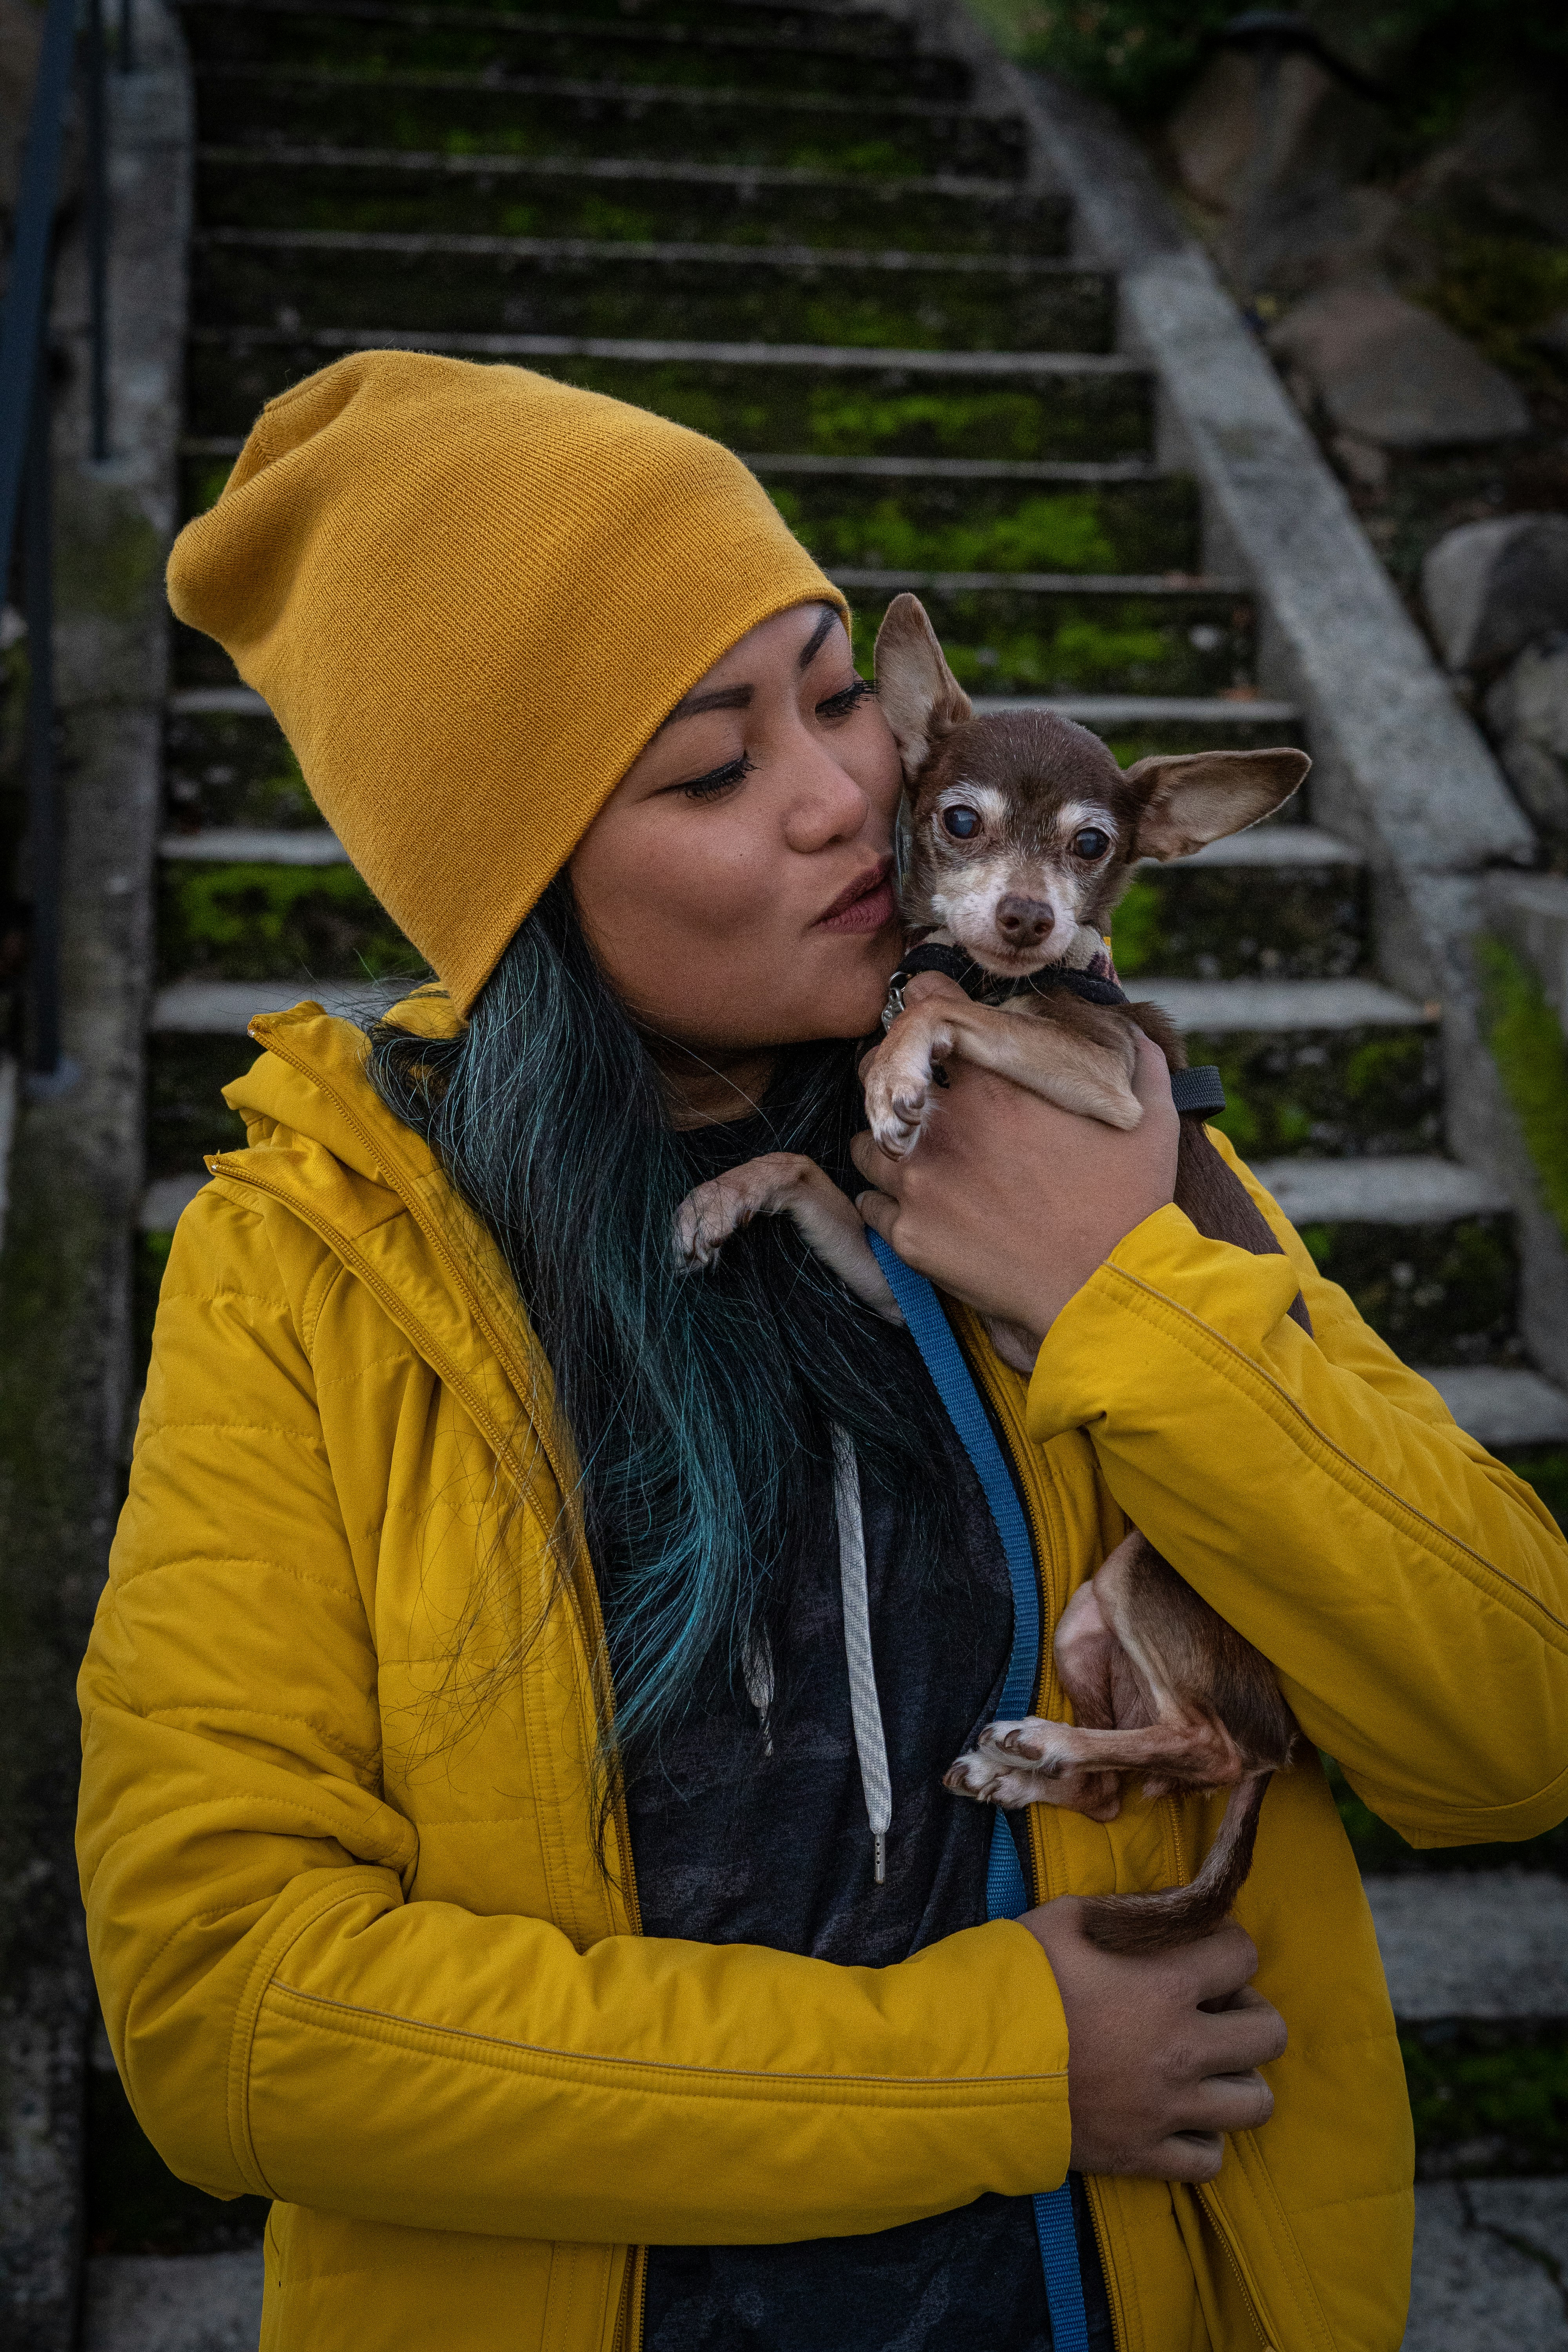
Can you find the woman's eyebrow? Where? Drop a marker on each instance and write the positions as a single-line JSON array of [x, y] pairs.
[[718, 697], [814, 645]]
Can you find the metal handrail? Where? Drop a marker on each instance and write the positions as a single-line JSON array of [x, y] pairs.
[[25, 454]]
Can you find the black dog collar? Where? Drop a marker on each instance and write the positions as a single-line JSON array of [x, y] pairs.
[[1199, 1091]]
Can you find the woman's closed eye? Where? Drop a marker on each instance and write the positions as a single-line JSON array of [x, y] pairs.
[[717, 779], [849, 697]]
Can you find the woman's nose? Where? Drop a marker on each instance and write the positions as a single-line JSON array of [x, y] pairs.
[[827, 803]]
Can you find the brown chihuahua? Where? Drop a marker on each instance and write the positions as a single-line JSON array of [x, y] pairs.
[[1019, 834]]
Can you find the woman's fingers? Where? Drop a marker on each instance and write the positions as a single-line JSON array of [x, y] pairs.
[[879, 1210], [1163, 2048], [1221, 1966], [874, 1163], [1249, 2033]]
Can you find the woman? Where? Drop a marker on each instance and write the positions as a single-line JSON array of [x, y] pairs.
[[473, 1833]]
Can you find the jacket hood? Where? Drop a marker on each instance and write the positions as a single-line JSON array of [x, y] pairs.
[[310, 1079]]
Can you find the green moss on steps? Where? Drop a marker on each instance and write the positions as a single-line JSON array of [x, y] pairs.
[[260, 922], [620, 294], [380, 113], [816, 411], [262, 194], [1438, 1294], [455, 44], [1327, 1093], [222, 770], [1527, 1044], [1487, 2101], [1005, 641], [933, 523], [187, 1115], [1239, 922], [1043, 533], [1544, 1467]]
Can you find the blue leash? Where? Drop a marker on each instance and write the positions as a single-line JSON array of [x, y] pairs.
[[1006, 1897]]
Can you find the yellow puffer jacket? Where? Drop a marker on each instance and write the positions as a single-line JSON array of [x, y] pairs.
[[355, 1949]]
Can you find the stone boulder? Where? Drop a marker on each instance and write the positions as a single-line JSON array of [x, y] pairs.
[[1527, 711], [1490, 588], [1390, 372]]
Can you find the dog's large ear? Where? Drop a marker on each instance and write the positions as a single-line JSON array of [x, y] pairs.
[[921, 699], [1188, 799]]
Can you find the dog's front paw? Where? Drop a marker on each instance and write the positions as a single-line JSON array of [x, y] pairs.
[[991, 1782], [896, 1100], [705, 1221]]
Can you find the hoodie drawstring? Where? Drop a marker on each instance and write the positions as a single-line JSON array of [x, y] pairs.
[[870, 1739]]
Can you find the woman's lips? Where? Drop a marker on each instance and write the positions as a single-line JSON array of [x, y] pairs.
[[866, 906]]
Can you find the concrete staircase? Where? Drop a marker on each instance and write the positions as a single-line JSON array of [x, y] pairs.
[[868, 286]]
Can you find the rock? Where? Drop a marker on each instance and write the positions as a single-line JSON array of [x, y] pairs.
[[1364, 461], [1272, 143], [1490, 588], [1510, 151], [1393, 373], [1553, 336], [1478, 2281], [187, 2303], [1527, 712]]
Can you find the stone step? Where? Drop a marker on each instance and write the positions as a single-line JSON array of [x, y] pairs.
[[1107, 711], [1488, 2262], [174, 2302], [617, 196], [989, 527], [226, 1008], [1256, 913], [707, 49], [1406, 1190], [165, 1201], [1266, 846], [921, 472], [825, 399], [1324, 1068], [1260, 1007], [850, 31], [242, 845], [1473, 1943], [1502, 1407], [217, 701], [1135, 724], [446, 282], [247, 104]]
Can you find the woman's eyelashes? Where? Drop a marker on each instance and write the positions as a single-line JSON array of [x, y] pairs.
[[717, 779], [847, 698]]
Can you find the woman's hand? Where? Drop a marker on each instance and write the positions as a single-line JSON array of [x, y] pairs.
[[1162, 2050], [1008, 1202]]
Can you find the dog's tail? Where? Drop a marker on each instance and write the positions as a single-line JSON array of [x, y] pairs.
[[1181, 1914]]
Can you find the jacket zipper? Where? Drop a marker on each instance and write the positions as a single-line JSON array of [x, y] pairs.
[[1211, 2208]]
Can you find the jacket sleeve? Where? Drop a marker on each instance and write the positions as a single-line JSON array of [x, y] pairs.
[[1411, 1592], [287, 2022]]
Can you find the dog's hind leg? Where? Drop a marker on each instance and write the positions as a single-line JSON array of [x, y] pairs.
[[783, 1184]]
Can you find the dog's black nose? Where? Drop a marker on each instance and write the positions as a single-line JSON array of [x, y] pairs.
[[1023, 922]]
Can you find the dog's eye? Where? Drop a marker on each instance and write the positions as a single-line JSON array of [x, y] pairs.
[[961, 823], [1091, 842]]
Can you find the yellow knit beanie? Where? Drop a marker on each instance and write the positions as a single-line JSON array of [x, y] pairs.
[[470, 596]]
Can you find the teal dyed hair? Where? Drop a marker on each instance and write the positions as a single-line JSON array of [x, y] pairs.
[[699, 1405]]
